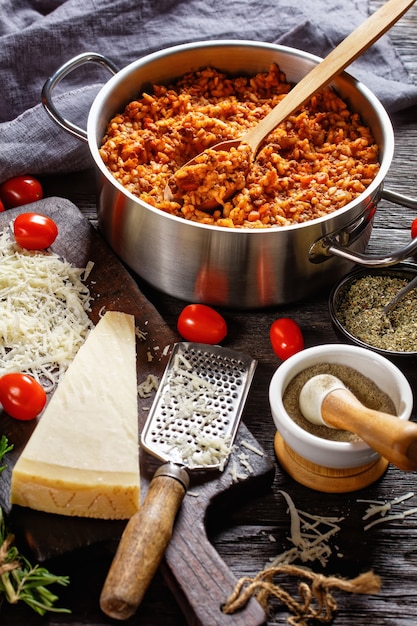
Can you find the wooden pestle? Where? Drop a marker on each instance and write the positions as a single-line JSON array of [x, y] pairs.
[[325, 400]]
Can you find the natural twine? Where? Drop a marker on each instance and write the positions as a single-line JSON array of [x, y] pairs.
[[263, 588], [4, 550]]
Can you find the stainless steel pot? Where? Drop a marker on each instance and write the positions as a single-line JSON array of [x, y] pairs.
[[240, 268]]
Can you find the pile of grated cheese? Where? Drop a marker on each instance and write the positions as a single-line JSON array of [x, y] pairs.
[[43, 312]]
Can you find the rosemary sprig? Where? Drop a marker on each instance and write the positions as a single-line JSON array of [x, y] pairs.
[[4, 448], [19, 580]]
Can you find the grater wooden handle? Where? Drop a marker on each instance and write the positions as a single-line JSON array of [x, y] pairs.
[[143, 543]]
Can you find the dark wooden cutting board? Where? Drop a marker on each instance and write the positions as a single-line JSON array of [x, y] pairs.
[[197, 575]]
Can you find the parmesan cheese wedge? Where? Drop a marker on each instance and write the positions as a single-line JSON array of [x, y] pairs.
[[83, 457]]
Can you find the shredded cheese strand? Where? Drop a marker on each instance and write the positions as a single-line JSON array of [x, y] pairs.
[[249, 446], [390, 518], [309, 542]]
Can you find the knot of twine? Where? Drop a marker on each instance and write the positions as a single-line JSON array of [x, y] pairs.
[[263, 588], [4, 550]]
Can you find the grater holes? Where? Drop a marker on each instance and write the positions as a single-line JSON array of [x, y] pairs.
[[216, 363], [199, 403]]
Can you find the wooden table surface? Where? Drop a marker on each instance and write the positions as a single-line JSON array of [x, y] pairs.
[[251, 533]]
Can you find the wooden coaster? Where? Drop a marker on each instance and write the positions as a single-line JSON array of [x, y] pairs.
[[327, 479]]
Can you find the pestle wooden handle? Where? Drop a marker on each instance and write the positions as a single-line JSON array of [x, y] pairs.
[[393, 438], [143, 544]]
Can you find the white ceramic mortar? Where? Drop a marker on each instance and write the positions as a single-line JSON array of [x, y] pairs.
[[320, 451]]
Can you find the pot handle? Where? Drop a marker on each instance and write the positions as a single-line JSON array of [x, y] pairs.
[[332, 245], [399, 198], [62, 72]]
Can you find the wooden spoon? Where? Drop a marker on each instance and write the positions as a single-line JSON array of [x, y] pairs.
[[335, 62], [324, 400]]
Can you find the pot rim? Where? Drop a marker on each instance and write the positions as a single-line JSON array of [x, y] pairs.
[[107, 89]]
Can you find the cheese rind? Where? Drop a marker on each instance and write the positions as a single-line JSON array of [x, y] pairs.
[[83, 457]]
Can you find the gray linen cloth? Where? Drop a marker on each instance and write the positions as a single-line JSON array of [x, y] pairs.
[[38, 36]]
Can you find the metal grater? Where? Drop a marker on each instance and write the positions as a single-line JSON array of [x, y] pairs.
[[202, 419], [198, 406]]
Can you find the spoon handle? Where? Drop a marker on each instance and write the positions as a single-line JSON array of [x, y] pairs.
[[334, 63], [393, 438], [403, 292]]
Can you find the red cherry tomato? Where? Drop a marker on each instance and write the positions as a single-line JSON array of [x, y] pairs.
[[34, 231], [20, 190], [286, 337], [21, 395], [201, 323], [2, 207], [414, 229]]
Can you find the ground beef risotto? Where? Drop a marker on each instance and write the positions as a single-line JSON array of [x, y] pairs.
[[314, 163]]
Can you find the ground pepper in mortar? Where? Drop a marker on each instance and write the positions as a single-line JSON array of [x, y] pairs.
[[360, 311], [361, 386]]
